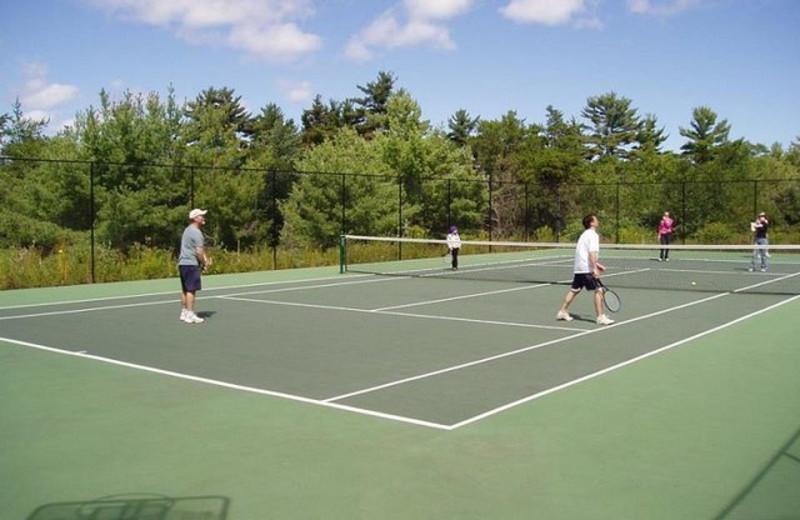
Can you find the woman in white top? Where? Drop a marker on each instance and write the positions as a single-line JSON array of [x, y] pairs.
[[454, 245]]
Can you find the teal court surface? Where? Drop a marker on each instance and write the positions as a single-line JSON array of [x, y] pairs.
[[410, 357]]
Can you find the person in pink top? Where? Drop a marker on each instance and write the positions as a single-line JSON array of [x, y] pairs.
[[665, 228]]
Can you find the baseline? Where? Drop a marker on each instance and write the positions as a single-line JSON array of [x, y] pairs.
[[225, 384]]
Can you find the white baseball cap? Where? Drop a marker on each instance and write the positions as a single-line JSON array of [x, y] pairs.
[[197, 213]]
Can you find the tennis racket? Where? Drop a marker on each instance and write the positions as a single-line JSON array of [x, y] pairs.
[[610, 297], [447, 259]]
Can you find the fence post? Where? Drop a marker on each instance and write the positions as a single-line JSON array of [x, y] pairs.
[[91, 223], [683, 212], [399, 216], [449, 202], [527, 216], [558, 213], [755, 197], [191, 187], [491, 212], [617, 210], [343, 201], [273, 232]]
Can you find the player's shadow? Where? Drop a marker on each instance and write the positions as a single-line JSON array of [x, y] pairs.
[[206, 314], [137, 507], [580, 317]]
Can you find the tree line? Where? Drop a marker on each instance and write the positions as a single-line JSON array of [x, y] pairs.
[[270, 180]]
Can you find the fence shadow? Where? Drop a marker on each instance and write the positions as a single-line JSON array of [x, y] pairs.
[[137, 507], [751, 495]]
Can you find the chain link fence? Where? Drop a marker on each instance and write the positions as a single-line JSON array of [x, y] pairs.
[[107, 210]]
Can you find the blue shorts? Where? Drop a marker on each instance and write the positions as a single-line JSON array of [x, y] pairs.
[[190, 278], [584, 281]]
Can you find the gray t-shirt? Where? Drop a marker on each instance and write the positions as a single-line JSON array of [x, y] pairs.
[[192, 239]]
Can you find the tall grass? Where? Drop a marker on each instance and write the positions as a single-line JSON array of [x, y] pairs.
[[71, 265]]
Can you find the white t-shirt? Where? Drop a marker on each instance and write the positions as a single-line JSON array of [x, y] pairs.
[[453, 241], [589, 242]]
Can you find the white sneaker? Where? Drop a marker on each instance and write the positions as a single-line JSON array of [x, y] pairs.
[[184, 314], [604, 320], [193, 318], [563, 315]]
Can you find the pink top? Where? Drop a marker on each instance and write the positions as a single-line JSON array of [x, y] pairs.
[[665, 226]]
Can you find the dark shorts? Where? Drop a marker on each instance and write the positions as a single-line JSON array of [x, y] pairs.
[[190, 278], [584, 281]]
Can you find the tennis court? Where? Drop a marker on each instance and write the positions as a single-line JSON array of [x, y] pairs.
[[410, 396]]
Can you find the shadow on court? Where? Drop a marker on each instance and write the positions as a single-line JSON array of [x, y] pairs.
[[137, 507], [773, 491]]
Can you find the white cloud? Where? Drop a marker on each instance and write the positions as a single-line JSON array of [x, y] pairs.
[[39, 96], [547, 12], [264, 28], [37, 115], [437, 9], [659, 7], [295, 91], [276, 42], [421, 27], [49, 96]]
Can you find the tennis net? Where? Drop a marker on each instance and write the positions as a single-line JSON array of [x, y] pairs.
[[711, 268]]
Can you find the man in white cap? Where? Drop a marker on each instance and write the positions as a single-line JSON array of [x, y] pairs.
[[191, 262]]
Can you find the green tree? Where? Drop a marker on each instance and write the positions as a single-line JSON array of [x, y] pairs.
[[462, 127], [497, 149], [649, 138], [705, 134], [371, 109], [321, 121], [552, 161], [614, 125], [439, 183], [313, 212]]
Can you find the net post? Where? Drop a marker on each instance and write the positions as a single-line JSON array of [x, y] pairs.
[[342, 254]]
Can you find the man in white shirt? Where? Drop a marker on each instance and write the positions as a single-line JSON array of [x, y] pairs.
[[587, 269]]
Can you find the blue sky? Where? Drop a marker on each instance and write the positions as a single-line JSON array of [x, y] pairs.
[[739, 57]]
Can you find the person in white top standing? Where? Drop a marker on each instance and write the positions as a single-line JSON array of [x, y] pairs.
[[454, 245], [587, 269]]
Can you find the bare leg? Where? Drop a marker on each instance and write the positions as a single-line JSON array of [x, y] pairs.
[[568, 300], [188, 301], [598, 303]]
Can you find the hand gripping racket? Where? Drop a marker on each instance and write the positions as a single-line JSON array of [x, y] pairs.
[[610, 297]]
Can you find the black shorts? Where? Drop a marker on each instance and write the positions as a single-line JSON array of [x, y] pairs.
[[190, 278], [584, 281]]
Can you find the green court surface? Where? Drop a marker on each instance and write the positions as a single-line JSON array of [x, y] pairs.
[[310, 394]]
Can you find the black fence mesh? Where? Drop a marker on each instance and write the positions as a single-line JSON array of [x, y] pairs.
[[102, 210]]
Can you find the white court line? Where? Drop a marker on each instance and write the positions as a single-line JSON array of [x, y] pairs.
[[520, 351], [144, 304], [766, 282], [162, 293], [500, 291], [617, 366], [462, 297], [403, 314], [88, 309], [225, 384]]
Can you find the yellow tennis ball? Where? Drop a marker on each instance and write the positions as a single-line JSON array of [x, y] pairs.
[[694, 283]]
